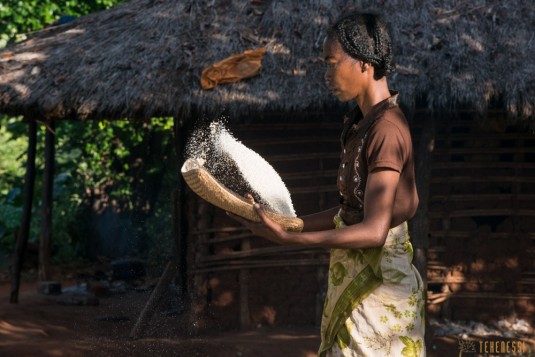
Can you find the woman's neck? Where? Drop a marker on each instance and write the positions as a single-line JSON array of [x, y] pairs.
[[375, 93]]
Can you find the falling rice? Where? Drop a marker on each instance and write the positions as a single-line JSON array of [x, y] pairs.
[[239, 168]]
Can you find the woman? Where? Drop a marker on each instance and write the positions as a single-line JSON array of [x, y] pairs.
[[375, 299]]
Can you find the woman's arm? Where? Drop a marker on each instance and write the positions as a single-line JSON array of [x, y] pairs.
[[371, 232], [320, 221]]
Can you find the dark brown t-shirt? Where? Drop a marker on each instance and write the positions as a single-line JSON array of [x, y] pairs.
[[379, 140]]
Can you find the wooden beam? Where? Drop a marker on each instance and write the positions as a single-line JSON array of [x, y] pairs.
[[470, 165], [22, 236], [266, 264], [278, 249], [490, 197], [334, 139], [198, 289], [244, 290], [482, 212], [301, 157], [46, 205], [180, 209], [490, 235], [483, 151], [160, 289], [313, 189], [485, 179], [420, 222], [218, 230]]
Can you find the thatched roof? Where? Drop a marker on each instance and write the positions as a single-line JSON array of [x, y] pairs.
[[144, 58]]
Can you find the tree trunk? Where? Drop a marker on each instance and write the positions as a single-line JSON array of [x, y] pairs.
[[46, 205], [22, 236]]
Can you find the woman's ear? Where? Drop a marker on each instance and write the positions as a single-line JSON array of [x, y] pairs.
[[365, 66]]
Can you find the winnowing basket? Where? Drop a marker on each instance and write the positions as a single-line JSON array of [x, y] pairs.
[[208, 188]]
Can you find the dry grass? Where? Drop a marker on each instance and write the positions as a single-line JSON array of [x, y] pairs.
[[144, 58]]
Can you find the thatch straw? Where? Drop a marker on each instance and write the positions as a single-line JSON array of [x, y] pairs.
[[144, 58]]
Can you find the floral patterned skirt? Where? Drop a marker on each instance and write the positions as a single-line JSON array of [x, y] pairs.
[[375, 301]]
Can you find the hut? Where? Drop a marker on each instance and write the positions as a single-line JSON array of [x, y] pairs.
[[464, 72]]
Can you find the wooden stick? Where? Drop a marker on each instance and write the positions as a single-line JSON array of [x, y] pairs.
[[471, 179], [420, 223], [300, 157], [483, 197], [483, 212], [225, 239], [147, 312], [303, 262], [252, 253], [244, 291], [284, 256], [483, 151], [46, 205], [219, 230], [258, 263], [21, 240]]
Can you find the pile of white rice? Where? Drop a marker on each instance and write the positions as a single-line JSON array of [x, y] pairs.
[[239, 168]]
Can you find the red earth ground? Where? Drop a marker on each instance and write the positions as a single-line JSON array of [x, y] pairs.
[[39, 326]]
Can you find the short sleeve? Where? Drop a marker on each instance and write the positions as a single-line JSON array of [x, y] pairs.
[[386, 146]]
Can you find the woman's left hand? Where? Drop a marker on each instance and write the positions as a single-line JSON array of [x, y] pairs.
[[266, 228]]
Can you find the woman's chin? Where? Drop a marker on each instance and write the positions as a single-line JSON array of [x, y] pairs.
[[341, 97]]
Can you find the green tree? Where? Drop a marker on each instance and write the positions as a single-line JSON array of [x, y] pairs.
[[20, 17], [97, 160]]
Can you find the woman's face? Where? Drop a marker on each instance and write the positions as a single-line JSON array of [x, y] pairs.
[[344, 75]]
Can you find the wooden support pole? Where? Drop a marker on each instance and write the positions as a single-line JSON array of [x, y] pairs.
[[160, 289], [420, 222], [46, 205], [198, 293], [22, 236], [180, 209], [244, 291], [176, 265]]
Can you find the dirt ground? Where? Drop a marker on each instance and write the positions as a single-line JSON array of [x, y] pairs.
[[39, 326]]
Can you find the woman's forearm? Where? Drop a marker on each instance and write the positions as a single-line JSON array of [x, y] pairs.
[[320, 221], [357, 236]]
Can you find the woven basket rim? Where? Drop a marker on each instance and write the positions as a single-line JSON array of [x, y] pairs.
[[210, 189]]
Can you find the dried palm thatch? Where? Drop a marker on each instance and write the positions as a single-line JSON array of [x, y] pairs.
[[144, 58]]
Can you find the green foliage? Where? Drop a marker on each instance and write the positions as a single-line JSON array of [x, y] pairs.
[[107, 162], [12, 147], [111, 163], [19, 17], [159, 224]]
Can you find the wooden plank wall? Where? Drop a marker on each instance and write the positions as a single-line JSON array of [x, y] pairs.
[[482, 227], [482, 235], [249, 281]]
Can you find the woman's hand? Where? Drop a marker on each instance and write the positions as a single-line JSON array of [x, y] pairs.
[[266, 228]]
